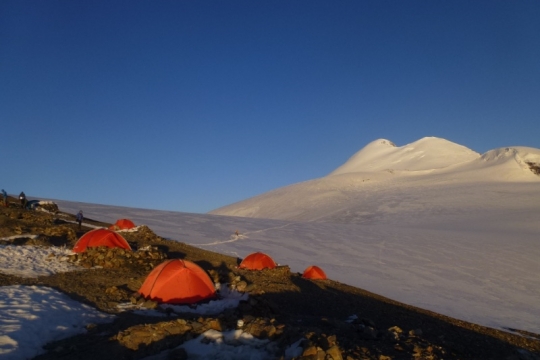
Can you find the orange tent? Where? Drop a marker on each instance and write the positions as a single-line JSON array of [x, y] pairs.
[[122, 224], [178, 282], [101, 237], [314, 273], [257, 261]]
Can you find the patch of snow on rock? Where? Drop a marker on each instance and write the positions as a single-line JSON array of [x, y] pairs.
[[33, 261], [32, 316]]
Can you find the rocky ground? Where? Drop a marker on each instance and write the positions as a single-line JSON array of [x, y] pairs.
[[282, 306]]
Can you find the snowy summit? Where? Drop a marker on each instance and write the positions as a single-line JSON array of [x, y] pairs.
[[425, 154], [380, 168]]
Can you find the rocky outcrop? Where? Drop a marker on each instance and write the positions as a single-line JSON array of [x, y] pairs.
[[105, 257], [535, 168]]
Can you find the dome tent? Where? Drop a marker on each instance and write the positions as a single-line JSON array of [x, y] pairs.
[[314, 273], [257, 261], [178, 282], [101, 237], [122, 224]]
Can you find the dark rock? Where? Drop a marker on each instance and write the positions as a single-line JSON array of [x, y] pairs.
[[335, 353]]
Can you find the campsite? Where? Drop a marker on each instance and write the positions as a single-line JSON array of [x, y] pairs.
[[268, 180], [278, 314]]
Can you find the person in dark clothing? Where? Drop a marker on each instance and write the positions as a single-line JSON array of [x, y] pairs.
[[4, 196], [79, 218], [23, 199]]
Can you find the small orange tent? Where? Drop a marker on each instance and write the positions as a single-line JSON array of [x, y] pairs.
[[314, 273], [101, 237], [122, 224], [257, 261], [178, 282]]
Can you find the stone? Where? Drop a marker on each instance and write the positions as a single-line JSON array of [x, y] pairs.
[[215, 325], [241, 286], [256, 329], [175, 329], [335, 353], [328, 341], [149, 304], [395, 329], [111, 290], [310, 350], [197, 326]]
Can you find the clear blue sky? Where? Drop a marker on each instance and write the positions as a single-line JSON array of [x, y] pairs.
[[193, 105]]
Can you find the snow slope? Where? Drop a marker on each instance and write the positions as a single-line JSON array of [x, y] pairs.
[[474, 267]]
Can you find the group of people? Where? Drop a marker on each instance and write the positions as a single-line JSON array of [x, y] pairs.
[[24, 202], [22, 198]]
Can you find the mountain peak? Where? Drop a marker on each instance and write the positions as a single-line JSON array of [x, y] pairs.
[[428, 168], [425, 154], [381, 142]]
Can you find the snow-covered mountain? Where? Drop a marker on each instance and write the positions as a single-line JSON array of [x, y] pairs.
[[425, 154], [383, 180]]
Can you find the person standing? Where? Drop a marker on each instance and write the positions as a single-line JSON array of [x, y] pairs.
[[4, 196], [79, 218], [23, 199]]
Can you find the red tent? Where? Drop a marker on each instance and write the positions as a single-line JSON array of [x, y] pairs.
[[101, 237], [178, 282], [122, 224], [257, 261], [314, 273]]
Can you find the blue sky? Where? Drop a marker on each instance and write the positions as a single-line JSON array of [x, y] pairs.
[[193, 105]]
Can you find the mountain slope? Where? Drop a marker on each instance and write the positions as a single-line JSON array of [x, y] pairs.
[[419, 182]]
